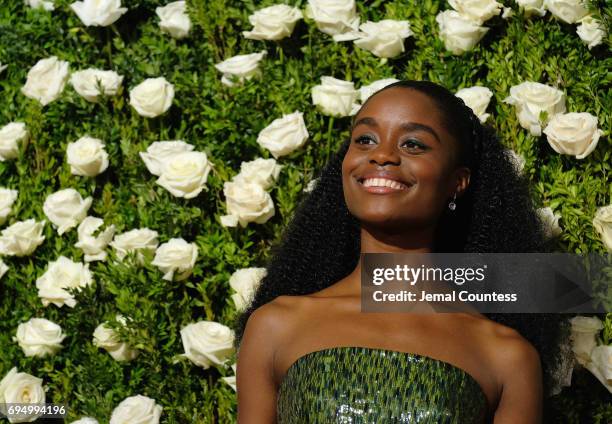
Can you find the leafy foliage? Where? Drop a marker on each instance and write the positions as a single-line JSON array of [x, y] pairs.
[[224, 122]]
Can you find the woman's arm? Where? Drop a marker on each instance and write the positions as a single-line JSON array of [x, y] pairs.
[[521, 376], [255, 385]]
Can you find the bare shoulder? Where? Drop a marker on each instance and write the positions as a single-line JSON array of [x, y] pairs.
[[264, 332], [513, 343], [272, 321], [256, 385], [510, 352], [518, 370]]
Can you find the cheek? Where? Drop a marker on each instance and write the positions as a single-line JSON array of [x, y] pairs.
[[351, 158], [428, 171], [433, 180], [349, 164], [353, 197], [345, 166]]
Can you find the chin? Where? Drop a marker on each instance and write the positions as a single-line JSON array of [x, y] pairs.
[[382, 221]]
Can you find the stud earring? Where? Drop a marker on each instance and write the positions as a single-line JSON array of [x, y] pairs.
[[452, 205]]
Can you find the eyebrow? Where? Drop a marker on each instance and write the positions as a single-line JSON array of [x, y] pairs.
[[408, 126]]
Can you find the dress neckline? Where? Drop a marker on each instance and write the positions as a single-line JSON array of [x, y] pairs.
[[417, 355]]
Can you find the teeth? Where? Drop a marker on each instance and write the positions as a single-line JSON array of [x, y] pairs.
[[383, 182]]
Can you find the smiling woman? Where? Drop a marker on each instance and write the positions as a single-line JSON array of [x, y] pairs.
[[400, 136], [419, 173]]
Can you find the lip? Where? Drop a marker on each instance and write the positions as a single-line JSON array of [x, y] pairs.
[[385, 175], [382, 174], [382, 190]]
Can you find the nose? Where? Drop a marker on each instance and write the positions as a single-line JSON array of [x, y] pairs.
[[385, 153]]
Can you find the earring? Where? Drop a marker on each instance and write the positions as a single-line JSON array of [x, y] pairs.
[[452, 205]]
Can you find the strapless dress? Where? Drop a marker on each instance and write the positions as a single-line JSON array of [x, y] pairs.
[[361, 385]]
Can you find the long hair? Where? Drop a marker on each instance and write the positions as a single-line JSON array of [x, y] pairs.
[[321, 244]]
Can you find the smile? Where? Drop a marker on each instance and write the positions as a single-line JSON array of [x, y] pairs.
[[382, 185]]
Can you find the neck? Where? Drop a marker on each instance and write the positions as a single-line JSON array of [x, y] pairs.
[[378, 241]]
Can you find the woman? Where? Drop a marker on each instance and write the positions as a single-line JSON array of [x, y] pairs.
[[306, 352]]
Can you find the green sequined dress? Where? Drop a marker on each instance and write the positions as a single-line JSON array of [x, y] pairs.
[[360, 385]]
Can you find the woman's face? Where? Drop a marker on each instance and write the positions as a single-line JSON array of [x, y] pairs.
[[398, 135]]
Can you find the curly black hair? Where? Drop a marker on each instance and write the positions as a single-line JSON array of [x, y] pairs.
[[321, 244]]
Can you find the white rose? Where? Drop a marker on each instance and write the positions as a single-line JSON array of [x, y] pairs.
[[584, 324], [458, 32], [86, 420], [66, 209], [11, 135], [21, 387], [22, 238], [335, 97], [136, 409], [159, 153], [185, 174], [584, 332], [602, 221], [244, 282], [273, 22], [601, 365], [477, 10], [367, 91], [582, 346], [35, 4], [87, 157], [3, 268], [260, 171], [507, 13], [384, 38], [517, 160], [7, 198], [569, 11], [333, 16], [311, 185], [108, 339], [284, 134], [246, 202], [531, 98], [207, 343], [231, 380], [477, 98], [176, 256], [60, 275], [573, 133], [135, 241], [39, 337], [46, 80], [590, 31], [86, 83], [98, 12], [93, 246], [174, 19], [240, 67], [152, 97], [532, 7], [550, 222]]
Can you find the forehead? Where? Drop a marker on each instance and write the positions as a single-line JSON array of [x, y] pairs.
[[401, 104]]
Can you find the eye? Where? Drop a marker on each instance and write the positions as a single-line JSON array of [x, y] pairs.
[[414, 144], [362, 139]]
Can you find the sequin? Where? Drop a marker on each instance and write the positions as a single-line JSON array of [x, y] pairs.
[[360, 385]]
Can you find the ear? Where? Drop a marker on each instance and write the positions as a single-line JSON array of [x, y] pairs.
[[462, 180]]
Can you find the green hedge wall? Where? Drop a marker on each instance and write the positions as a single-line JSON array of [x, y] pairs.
[[224, 122]]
